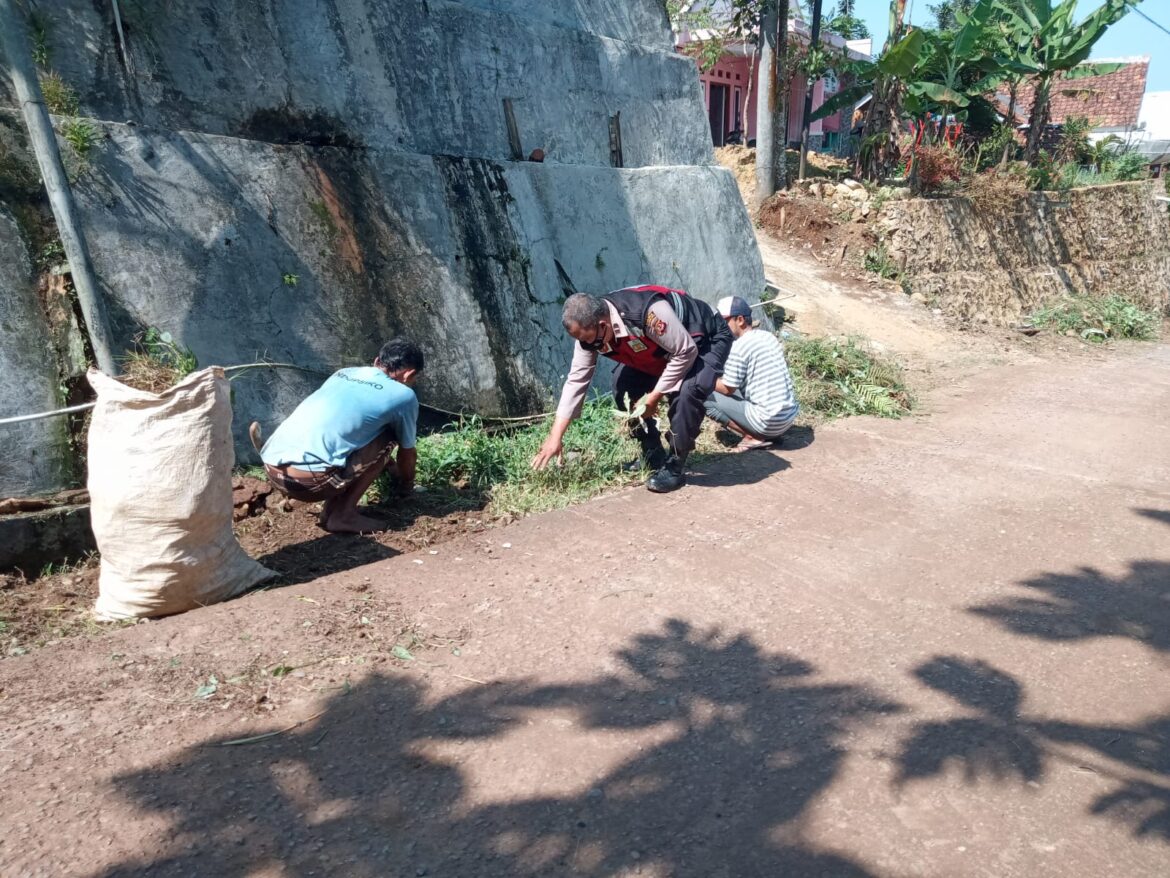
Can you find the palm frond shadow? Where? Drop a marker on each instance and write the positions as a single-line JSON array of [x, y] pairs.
[[999, 741]]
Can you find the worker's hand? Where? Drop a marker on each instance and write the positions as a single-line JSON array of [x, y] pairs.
[[552, 447], [651, 400]]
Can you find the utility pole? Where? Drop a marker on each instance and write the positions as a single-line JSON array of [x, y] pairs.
[[772, 105], [13, 31], [808, 89]]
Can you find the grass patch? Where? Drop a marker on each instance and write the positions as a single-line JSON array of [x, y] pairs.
[[492, 467], [839, 377], [60, 98], [1099, 319]]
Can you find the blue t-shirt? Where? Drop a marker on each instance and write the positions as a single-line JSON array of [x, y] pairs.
[[344, 414]]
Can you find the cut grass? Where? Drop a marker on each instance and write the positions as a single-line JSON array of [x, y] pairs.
[[839, 377], [157, 362], [1099, 319]]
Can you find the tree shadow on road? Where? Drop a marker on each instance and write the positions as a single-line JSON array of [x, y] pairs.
[[740, 744], [999, 741], [1089, 603]]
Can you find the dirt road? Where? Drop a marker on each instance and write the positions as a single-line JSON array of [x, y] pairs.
[[934, 647]]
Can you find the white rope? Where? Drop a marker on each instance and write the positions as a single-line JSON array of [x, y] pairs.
[[39, 415]]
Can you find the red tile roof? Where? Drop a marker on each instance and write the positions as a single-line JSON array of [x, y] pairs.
[[1110, 101]]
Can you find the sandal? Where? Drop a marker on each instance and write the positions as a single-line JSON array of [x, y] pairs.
[[750, 445]]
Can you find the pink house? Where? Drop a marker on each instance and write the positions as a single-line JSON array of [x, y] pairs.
[[731, 104]]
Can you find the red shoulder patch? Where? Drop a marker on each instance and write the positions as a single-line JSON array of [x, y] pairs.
[[655, 324]]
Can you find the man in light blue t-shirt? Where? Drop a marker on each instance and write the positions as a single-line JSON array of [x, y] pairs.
[[343, 435]]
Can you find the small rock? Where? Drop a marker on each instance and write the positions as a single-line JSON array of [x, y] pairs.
[[850, 183], [918, 298]]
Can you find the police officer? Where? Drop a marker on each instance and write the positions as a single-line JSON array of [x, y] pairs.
[[667, 344]]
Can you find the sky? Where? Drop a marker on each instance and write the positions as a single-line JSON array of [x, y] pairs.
[[1132, 36]]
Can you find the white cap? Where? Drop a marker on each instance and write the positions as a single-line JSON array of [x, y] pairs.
[[734, 306]]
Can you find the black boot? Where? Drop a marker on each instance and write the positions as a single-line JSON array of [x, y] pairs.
[[653, 454], [670, 477]]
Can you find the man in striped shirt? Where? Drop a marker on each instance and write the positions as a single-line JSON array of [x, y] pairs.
[[754, 397]]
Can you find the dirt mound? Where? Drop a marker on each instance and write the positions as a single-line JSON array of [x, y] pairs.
[[741, 161], [807, 223]]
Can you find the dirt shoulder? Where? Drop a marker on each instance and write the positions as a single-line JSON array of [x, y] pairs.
[[906, 649]]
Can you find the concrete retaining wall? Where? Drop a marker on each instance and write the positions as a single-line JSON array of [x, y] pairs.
[[998, 265], [420, 76], [300, 180], [34, 457]]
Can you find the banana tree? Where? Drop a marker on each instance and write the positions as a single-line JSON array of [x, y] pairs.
[[956, 68], [944, 71], [881, 78], [1057, 45]]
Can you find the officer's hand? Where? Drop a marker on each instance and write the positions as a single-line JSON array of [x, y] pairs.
[[551, 448], [651, 400]]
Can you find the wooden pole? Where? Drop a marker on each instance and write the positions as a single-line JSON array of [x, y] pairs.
[[44, 143]]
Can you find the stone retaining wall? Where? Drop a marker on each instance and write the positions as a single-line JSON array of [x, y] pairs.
[[998, 265]]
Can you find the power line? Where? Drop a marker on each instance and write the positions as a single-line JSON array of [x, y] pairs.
[[1160, 27]]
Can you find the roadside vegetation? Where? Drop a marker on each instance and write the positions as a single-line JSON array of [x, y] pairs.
[[478, 465], [491, 467], [840, 377], [1099, 319]]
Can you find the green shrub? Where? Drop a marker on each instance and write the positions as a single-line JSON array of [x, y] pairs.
[[1049, 175], [837, 377], [1129, 165], [82, 135], [877, 259], [1097, 319], [990, 151]]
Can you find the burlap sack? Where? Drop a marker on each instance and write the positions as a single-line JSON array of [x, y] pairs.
[[160, 487]]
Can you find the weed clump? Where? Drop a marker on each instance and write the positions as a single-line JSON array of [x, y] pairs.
[[840, 377], [82, 136], [60, 98], [1099, 319]]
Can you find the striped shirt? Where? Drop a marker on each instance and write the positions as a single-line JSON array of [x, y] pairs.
[[757, 369]]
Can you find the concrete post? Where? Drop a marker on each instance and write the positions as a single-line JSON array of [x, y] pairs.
[[771, 105]]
